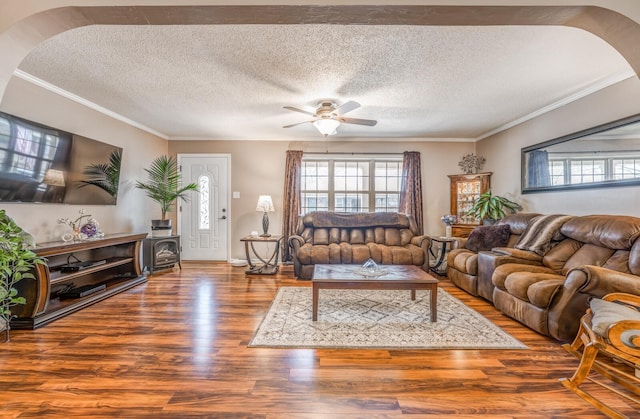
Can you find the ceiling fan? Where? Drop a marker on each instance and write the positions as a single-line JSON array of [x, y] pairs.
[[328, 116]]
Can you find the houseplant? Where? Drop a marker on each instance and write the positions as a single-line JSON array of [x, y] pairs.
[[163, 186], [16, 263], [491, 208]]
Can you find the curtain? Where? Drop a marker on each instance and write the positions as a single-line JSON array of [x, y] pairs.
[[291, 200], [411, 189], [538, 169]]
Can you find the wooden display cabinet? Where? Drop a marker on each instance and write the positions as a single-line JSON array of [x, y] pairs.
[[465, 189], [112, 265]]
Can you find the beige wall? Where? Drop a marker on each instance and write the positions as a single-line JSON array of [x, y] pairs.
[[503, 153], [133, 210], [257, 167]]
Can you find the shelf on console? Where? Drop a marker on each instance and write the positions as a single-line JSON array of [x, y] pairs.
[[58, 276], [120, 272]]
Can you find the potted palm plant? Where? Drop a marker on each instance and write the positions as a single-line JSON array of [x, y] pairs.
[[16, 264], [163, 186], [491, 208]]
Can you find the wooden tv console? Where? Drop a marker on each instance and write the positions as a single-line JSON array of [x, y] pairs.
[[115, 267]]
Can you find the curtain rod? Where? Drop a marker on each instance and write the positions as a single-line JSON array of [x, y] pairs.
[[320, 153]]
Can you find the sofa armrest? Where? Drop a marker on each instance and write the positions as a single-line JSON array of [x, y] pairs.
[[424, 242], [488, 261], [296, 242], [522, 255], [598, 281], [581, 284], [458, 242], [421, 241]]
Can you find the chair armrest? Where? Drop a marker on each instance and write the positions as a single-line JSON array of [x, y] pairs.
[[623, 297]]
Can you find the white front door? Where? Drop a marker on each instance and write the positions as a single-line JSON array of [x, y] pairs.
[[204, 220]]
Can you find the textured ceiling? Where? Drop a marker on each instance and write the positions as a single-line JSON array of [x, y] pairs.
[[231, 81]]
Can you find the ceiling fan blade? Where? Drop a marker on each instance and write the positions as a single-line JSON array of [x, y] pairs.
[[357, 121], [347, 107], [297, 123], [291, 108]]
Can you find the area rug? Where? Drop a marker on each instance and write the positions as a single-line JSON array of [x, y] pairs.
[[376, 319]]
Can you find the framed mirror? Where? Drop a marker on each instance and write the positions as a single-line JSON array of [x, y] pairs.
[[598, 157]]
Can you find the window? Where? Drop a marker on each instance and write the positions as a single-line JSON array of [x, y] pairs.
[[203, 191], [351, 185], [571, 170], [626, 168]]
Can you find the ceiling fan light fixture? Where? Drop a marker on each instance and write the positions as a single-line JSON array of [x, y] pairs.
[[326, 126]]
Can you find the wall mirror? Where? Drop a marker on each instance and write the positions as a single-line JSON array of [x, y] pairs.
[[602, 156]]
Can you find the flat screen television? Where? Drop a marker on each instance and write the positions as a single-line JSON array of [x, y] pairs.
[[43, 164]]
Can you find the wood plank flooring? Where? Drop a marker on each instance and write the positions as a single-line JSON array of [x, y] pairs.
[[177, 347]]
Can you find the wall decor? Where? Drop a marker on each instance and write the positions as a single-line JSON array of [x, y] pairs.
[[470, 163], [85, 227], [603, 156]]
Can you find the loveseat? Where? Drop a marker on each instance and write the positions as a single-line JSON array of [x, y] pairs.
[[547, 277], [327, 237]]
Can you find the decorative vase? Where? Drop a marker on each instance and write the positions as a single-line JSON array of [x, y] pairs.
[[448, 231]]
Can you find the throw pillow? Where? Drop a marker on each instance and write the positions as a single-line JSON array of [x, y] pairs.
[[488, 237], [605, 313], [540, 232]]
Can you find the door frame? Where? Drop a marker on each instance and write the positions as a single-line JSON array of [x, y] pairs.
[[226, 156]]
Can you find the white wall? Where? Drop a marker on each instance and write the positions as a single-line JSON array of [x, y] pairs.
[[133, 210], [503, 154]]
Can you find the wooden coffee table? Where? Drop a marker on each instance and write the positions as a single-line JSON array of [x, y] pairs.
[[397, 277]]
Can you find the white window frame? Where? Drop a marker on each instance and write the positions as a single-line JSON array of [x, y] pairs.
[[371, 191]]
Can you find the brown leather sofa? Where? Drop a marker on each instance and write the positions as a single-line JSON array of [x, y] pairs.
[[463, 264], [600, 254], [326, 237]]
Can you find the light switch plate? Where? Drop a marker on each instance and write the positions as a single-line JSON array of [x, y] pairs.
[[236, 194]]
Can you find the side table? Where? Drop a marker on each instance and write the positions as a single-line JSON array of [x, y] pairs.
[[266, 267], [444, 245]]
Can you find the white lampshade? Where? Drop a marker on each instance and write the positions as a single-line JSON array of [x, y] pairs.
[[265, 204], [327, 126]]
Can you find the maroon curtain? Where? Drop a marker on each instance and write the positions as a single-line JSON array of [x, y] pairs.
[[411, 190], [291, 200]]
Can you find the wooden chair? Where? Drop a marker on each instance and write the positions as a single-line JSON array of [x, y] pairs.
[[613, 331]]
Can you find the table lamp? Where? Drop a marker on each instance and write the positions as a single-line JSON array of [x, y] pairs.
[[265, 204]]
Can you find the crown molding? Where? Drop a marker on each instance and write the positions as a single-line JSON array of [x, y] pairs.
[[82, 101], [599, 85]]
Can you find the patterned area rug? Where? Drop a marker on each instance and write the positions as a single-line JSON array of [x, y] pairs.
[[376, 319]]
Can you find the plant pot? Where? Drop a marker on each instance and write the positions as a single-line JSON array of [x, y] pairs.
[[160, 228]]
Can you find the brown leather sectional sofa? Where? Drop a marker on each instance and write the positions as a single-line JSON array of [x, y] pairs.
[[594, 255], [326, 237]]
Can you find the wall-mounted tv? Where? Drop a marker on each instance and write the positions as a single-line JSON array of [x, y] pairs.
[[43, 164]]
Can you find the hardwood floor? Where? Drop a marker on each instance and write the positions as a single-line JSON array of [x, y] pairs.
[[177, 347]]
